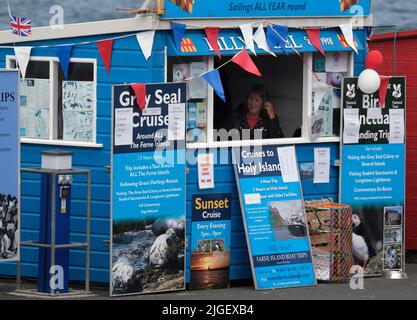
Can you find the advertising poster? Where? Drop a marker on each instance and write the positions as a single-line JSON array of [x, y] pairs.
[[10, 164], [210, 241], [274, 217], [373, 174], [148, 190]]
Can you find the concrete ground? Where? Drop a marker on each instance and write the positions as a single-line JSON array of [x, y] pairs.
[[374, 288]]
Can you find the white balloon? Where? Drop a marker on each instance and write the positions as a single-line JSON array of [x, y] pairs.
[[369, 81]]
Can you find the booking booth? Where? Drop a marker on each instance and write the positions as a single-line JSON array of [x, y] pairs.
[[67, 101]]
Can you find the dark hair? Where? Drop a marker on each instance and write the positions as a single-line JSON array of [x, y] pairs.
[[257, 89]]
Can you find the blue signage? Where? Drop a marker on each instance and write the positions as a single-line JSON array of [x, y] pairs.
[[254, 8], [10, 164], [274, 219], [373, 175], [231, 42], [210, 241], [148, 189]]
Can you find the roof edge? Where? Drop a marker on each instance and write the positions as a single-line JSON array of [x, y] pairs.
[[391, 35]]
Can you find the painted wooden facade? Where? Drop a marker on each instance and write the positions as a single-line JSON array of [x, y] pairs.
[[128, 66]]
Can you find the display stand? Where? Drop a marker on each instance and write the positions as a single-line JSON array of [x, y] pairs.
[[53, 246]]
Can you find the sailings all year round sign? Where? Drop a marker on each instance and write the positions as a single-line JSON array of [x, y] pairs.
[[148, 190]]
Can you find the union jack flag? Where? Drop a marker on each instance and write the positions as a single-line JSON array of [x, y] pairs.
[[21, 26]]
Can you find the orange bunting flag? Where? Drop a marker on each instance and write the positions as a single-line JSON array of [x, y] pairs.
[[105, 48], [140, 92], [213, 38], [244, 60]]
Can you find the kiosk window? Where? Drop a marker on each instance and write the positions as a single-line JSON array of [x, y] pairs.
[[280, 89], [56, 109]]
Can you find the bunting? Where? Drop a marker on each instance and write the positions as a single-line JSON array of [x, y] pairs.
[[383, 90], [277, 36], [244, 60], [64, 55], [213, 79], [140, 93], [347, 30], [178, 30], [22, 58], [213, 38], [314, 36], [105, 48], [260, 40], [145, 40], [247, 33]]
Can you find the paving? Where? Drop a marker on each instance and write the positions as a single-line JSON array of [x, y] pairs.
[[374, 288]]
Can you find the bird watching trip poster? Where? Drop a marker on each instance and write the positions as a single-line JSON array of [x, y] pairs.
[[373, 174], [210, 241], [10, 164], [274, 217], [148, 190]]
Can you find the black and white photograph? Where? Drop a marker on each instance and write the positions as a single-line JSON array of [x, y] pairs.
[[9, 227]]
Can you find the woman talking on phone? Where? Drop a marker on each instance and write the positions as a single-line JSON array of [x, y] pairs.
[[255, 118]]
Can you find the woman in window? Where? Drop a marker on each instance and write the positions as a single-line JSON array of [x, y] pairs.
[[256, 116]]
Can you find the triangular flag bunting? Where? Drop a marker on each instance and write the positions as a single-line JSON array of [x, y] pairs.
[[314, 36], [140, 93], [247, 33], [145, 40], [213, 38], [277, 36], [244, 60], [213, 79], [64, 56], [105, 48], [22, 57], [178, 30], [260, 40], [347, 30], [383, 91]]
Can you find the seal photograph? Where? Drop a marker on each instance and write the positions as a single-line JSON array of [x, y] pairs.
[[148, 256]]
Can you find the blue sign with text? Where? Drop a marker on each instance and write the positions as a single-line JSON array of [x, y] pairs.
[[148, 190], [274, 218], [254, 8], [10, 164], [210, 241]]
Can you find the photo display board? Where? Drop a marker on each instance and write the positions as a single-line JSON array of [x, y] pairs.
[[148, 190], [210, 241], [10, 162], [373, 174], [274, 217]]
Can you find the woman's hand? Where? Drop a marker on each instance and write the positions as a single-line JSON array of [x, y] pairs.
[[270, 109]]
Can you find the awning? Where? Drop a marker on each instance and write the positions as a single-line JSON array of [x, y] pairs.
[[231, 42]]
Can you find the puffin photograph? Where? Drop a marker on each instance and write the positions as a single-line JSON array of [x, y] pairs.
[[361, 245]]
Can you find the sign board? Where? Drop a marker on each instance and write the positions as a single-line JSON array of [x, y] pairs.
[[148, 190], [210, 241], [373, 173], [189, 9], [230, 42], [10, 164], [274, 217]]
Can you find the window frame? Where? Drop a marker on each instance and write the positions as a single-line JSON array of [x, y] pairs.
[[307, 111], [54, 65]]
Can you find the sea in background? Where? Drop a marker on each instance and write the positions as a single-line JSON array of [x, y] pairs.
[[395, 12]]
